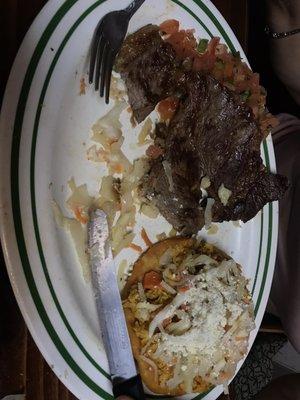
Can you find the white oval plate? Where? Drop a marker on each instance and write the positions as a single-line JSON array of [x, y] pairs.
[[43, 127]]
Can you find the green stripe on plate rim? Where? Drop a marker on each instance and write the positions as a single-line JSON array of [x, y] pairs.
[[15, 187], [15, 190]]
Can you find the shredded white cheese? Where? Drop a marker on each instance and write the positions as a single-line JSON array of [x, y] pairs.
[[212, 326]]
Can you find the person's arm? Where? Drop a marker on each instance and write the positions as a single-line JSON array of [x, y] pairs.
[[282, 16]]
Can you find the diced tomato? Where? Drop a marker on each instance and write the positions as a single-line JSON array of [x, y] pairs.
[[167, 108], [78, 212], [212, 45], [183, 43], [151, 280], [204, 62], [228, 70], [169, 26], [154, 151], [183, 289]]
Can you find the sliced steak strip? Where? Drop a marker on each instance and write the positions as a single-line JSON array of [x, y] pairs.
[[149, 68], [212, 136]]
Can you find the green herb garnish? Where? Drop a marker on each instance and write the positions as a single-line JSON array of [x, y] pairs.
[[202, 45], [245, 95]]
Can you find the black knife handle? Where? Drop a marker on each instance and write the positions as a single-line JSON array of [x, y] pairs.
[[132, 387]]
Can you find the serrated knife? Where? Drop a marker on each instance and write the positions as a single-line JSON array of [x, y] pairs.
[[125, 379]]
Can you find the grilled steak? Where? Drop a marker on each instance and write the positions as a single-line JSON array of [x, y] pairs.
[[145, 62], [211, 135]]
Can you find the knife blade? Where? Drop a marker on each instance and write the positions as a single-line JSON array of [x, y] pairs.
[[110, 312]]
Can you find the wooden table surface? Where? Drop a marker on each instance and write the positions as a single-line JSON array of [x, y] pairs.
[[22, 367]]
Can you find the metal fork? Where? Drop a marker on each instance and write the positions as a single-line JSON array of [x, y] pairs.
[[106, 43]]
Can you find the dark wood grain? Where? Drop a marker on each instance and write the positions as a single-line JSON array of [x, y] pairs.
[[22, 367]]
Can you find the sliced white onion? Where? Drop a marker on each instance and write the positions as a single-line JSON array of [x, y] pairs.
[[208, 212], [183, 325], [167, 287], [126, 202], [167, 312], [152, 364], [168, 172], [193, 260]]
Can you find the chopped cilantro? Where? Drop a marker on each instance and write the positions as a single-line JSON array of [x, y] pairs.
[[245, 95], [202, 45]]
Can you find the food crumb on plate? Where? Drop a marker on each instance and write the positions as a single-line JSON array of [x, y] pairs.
[[82, 87], [237, 224]]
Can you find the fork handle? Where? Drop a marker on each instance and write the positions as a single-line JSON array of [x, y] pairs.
[[133, 7]]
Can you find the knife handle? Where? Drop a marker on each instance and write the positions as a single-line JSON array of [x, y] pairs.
[[132, 387]]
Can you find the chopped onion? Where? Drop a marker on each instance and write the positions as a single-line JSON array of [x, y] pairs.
[[208, 212], [140, 167], [108, 191], [107, 129], [78, 234], [79, 197], [120, 230], [126, 202], [141, 292], [224, 194], [167, 287], [168, 172], [205, 182], [145, 131], [144, 309], [117, 88], [96, 155], [172, 276], [117, 161], [149, 210], [110, 208]]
